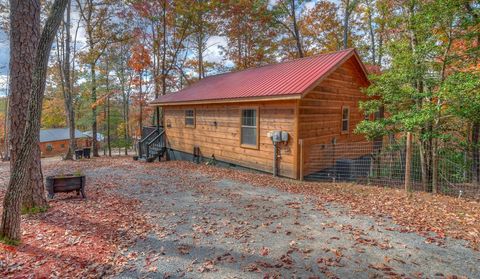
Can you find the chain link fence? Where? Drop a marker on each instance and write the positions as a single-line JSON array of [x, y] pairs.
[[375, 163]]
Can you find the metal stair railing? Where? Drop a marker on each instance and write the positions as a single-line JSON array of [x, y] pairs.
[[143, 143], [158, 142]]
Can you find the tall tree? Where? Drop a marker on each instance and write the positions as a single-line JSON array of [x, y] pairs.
[[124, 74], [63, 50], [96, 16], [24, 40], [287, 14], [348, 8], [139, 62], [412, 89], [166, 26], [321, 28], [205, 23], [68, 94], [10, 223], [248, 29]]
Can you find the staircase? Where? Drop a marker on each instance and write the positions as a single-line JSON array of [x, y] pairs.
[[152, 146]]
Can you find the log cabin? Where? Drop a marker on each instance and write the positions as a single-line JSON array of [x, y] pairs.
[[267, 118], [55, 141]]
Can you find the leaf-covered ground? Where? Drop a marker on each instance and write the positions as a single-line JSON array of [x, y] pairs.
[[75, 238], [180, 219]]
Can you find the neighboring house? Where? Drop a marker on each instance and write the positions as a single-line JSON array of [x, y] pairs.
[[230, 116], [54, 142], [89, 135]]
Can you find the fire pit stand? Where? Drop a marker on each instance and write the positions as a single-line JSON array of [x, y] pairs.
[[65, 183]]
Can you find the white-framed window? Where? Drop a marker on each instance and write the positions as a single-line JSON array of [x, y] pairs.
[[190, 118], [249, 127], [345, 119]]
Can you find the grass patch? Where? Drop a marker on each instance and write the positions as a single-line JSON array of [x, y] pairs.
[[8, 241], [34, 210]]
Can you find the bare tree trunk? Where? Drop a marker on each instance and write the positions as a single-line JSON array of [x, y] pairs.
[[435, 166], [68, 88], [408, 164], [372, 31], [349, 7], [109, 141], [93, 78], [424, 168], [109, 146], [140, 120], [24, 41], [201, 73], [476, 153], [125, 98], [10, 225], [380, 50], [298, 39], [104, 130], [346, 18]]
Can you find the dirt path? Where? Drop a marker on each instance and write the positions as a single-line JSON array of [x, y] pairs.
[[221, 228]]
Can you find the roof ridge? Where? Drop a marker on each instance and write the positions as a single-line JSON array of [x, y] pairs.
[[280, 63]]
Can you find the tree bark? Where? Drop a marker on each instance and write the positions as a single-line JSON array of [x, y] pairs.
[[476, 153], [93, 77], [140, 120], [125, 97], [68, 88], [10, 223], [408, 164], [346, 18], [435, 166], [24, 40], [372, 31], [298, 39], [349, 7], [109, 146]]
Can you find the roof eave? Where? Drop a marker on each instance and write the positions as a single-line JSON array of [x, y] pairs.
[[293, 96]]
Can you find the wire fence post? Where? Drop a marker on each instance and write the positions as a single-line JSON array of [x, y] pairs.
[[408, 163]]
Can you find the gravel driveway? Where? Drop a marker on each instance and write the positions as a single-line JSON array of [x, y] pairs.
[[211, 228]]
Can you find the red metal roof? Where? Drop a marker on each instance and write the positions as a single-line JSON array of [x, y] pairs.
[[287, 79]]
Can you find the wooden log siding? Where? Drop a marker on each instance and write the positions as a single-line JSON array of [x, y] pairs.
[[320, 113], [223, 139]]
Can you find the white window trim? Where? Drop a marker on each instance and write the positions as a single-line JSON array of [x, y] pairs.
[[190, 117], [257, 120]]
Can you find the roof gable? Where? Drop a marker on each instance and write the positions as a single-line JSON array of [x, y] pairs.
[[47, 135], [291, 79]]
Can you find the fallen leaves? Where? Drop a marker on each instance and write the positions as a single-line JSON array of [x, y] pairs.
[[421, 212], [75, 237], [264, 251], [207, 266], [183, 249], [81, 238]]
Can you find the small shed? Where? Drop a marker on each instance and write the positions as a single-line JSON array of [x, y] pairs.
[[266, 118], [54, 142]]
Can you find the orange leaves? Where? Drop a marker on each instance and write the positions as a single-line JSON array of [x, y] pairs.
[[140, 59], [264, 251], [103, 99]]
